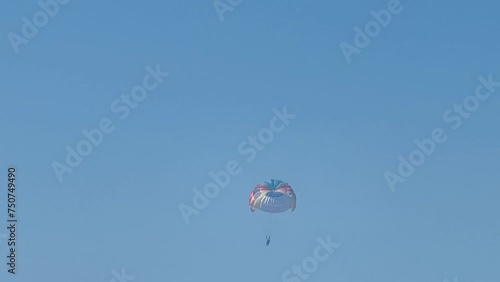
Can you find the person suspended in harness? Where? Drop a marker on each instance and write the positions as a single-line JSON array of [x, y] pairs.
[[268, 238]]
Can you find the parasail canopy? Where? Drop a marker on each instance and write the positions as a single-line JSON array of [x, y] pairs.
[[273, 196]]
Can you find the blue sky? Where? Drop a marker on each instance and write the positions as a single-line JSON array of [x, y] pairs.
[[120, 207]]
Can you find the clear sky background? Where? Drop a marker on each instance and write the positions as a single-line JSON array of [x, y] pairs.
[[120, 207]]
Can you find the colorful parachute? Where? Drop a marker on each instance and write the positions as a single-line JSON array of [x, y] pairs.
[[274, 196]]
